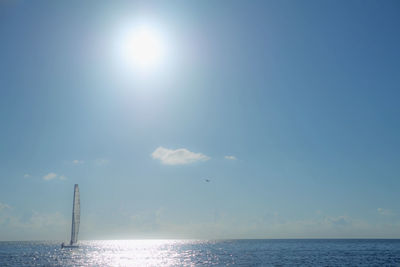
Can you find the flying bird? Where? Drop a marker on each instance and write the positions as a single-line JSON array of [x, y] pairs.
[[207, 180]]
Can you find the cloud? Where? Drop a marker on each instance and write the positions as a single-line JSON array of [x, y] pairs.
[[44, 220], [230, 157], [32, 225], [101, 162], [222, 224], [27, 175], [385, 212], [52, 176], [77, 162], [4, 206], [179, 156], [338, 221]]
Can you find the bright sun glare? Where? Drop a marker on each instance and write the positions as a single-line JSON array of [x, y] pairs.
[[142, 47]]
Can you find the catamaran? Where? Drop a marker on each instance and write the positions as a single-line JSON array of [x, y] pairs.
[[76, 214]]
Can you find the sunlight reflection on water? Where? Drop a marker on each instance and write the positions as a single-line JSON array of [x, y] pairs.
[[137, 253], [334, 252]]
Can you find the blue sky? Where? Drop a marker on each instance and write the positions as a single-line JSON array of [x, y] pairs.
[[290, 108]]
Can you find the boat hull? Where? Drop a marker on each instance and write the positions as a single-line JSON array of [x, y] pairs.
[[69, 246]]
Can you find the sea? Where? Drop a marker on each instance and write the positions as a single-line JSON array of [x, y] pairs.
[[267, 252]]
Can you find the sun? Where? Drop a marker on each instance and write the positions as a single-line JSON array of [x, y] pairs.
[[142, 47]]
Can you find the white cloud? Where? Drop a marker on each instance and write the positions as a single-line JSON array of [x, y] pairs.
[[385, 212], [177, 157], [52, 176], [32, 226], [27, 175], [77, 162], [4, 206], [230, 157]]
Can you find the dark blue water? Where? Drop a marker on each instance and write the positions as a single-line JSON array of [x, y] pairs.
[[204, 253]]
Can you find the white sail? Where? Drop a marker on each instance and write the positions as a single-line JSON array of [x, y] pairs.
[[76, 214]]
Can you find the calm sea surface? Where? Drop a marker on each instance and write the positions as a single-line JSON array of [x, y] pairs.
[[204, 253]]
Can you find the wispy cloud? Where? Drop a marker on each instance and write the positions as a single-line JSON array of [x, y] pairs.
[[32, 225], [385, 212], [179, 156], [156, 223], [27, 175], [101, 162], [4, 206], [230, 157], [52, 176], [338, 221], [77, 162]]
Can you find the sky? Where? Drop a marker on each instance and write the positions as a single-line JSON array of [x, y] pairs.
[[289, 109]]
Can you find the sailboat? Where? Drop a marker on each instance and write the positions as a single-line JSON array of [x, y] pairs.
[[76, 214]]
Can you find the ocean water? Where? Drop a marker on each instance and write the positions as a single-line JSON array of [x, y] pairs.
[[298, 252]]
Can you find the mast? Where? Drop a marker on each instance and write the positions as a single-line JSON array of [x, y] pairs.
[[75, 216]]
